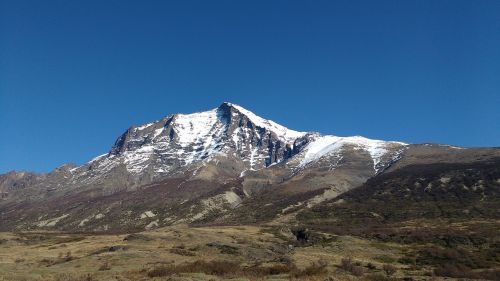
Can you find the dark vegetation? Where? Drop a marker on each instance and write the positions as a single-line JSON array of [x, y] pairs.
[[223, 248], [137, 237], [302, 234], [389, 269], [458, 263], [109, 249], [347, 264], [72, 277], [451, 192], [230, 268], [182, 251], [448, 213]]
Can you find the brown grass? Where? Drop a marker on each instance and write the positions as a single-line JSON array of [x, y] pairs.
[[348, 265], [229, 268]]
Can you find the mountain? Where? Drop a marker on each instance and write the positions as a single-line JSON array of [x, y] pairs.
[[225, 165]]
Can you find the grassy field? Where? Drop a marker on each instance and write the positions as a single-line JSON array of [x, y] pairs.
[[201, 253]]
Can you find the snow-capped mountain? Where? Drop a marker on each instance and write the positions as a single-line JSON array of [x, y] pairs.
[[181, 142], [183, 139], [225, 164]]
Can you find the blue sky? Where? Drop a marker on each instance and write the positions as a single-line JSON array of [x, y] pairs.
[[75, 74]]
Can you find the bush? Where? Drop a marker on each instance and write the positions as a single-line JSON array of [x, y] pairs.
[[301, 234], [268, 270], [461, 271], [371, 266], [389, 269], [182, 252], [72, 277], [208, 267], [348, 265], [357, 270], [228, 268], [315, 268]]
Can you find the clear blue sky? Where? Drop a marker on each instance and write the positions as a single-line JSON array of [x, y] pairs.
[[75, 74]]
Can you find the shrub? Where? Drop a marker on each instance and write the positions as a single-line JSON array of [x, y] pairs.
[[73, 277], [182, 252], [301, 234], [208, 267], [389, 269], [461, 271], [315, 268], [268, 270], [357, 270], [371, 266], [348, 265], [228, 268]]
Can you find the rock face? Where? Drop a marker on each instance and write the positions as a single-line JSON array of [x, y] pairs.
[[225, 165]]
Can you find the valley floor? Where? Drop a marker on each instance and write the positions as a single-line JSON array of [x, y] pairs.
[[200, 253]]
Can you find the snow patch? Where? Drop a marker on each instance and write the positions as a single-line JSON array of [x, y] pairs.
[[83, 222], [140, 128], [152, 224], [51, 222], [327, 145], [148, 214], [193, 127], [445, 180]]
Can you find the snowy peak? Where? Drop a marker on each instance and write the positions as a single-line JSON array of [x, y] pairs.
[[201, 127], [281, 131], [179, 140], [182, 142]]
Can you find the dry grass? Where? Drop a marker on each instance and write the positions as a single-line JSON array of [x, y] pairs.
[[213, 252]]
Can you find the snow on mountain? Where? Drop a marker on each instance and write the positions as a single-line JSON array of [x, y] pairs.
[[195, 127], [202, 132], [283, 132], [328, 145]]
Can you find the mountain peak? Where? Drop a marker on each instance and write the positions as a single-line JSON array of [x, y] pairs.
[[282, 131]]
